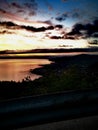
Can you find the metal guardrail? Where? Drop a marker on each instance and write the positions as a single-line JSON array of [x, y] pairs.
[[29, 111]]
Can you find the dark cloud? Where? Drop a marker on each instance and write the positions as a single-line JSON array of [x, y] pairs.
[[48, 22], [76, 29], [95, 35], [20, 11], [14, 4], [79, 31], [3, 11], [32, 13], [59, 26], [63, 37], [31, 5], [50, 28], [56, 37], [62, 17], [6, 32], [70, 37], [41, 29], [64, 0], [3, 32], [85, 30], [7, 24], [10, 25], [76, 15]]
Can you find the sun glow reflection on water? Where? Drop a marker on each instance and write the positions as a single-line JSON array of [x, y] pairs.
[[18, 69]]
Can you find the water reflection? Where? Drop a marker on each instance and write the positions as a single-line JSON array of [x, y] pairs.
[[17, 69]]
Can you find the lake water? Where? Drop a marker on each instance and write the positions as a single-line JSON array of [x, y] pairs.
[[18, 69]]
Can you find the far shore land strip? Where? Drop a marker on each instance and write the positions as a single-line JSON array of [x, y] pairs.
[[46, 53]]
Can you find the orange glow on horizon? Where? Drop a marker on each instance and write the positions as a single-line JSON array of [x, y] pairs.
[[19, 42]]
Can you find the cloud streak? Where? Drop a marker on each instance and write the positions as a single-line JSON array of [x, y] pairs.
[[13, 26], [50, 32], [62, 17], [25, 10], [75, 14], [7, 16]]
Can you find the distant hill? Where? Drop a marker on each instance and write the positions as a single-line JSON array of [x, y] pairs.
[[90, 49]]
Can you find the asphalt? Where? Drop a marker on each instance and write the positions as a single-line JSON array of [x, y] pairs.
[[86, 123]]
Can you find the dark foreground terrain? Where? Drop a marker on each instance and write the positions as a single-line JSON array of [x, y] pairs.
[[65, 73]]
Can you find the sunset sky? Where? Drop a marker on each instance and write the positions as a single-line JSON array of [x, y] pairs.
[[38, 24]]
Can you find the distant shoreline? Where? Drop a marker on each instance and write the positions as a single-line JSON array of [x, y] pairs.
[[45, 55], [20, 53], [57, 61]]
